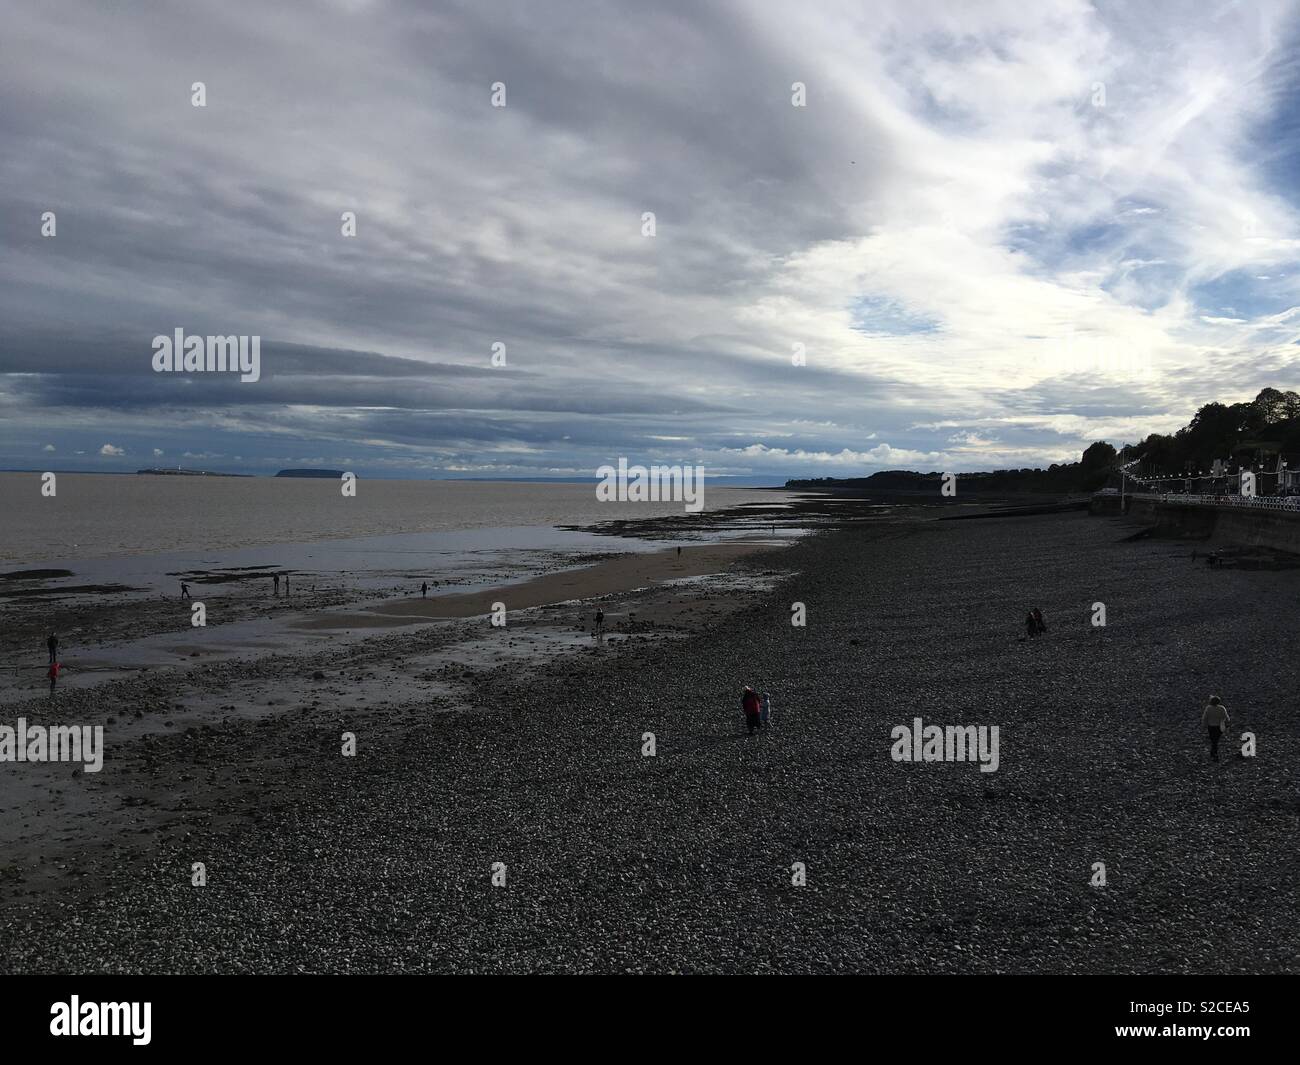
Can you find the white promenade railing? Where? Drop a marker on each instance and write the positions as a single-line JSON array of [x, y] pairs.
[[1287, 504]]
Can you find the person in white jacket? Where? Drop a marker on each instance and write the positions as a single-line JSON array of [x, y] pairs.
[[1214, 717]]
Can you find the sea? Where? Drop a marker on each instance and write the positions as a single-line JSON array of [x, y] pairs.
[[148, 530]]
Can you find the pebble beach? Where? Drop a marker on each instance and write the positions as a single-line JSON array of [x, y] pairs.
[[607, 859]]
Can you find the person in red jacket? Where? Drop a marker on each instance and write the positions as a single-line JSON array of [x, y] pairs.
[[753, 706], [53, 674]]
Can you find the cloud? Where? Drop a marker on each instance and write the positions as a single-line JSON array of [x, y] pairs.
[[953, 231], [109, 449], [880, 455], [48, 447], [971, 439]]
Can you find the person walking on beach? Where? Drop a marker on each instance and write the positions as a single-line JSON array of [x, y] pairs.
[[424, 589], [600, 621], [52, 645], [185, 591], [1214, 717], [753, 707], [275, 577], [1031, 626], [765, 711], [286, 586], [53, 674], [1039, 623]]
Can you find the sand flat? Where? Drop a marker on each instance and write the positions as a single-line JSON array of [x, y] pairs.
[[622, 573]]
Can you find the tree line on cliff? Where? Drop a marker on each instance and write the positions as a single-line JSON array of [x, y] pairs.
[[1237, 432]]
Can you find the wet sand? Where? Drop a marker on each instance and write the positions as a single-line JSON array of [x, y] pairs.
[[206, 683], [621, 573]]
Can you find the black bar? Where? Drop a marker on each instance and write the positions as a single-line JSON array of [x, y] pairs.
[[216, 1014]]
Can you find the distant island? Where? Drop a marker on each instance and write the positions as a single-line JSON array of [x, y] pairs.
[[178, 472], [335, 474]]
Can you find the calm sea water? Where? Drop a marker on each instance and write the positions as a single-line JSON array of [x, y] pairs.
[[107, 516]]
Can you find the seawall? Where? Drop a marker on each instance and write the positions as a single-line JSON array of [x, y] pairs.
[[1275, 530]]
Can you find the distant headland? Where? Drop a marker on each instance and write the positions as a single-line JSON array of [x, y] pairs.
[[178, 472], [335, 474]]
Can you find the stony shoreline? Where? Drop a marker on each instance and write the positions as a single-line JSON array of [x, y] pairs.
[[682, 862]]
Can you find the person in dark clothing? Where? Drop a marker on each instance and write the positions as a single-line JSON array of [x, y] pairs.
[[1214, 717], [752, 704], [1031, 626], [1039, 623], [275, 577], [600, 621], [286, 585], [52, 645], [185, 591], [424, 589]]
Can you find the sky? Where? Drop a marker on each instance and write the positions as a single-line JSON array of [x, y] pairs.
[[895, 235]]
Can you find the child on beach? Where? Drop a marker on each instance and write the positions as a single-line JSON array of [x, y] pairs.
[[1039, 623], [750, 703], [1214, 717], [53, 674], [765, 711]]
